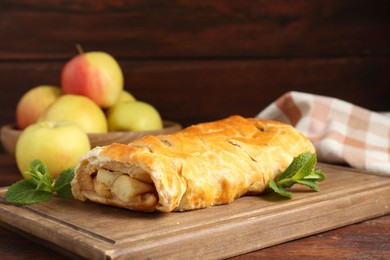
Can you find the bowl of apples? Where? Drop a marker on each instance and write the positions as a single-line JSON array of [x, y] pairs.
[[9, 135], [91, 98]]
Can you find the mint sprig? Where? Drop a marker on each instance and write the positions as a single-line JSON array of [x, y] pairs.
[[300, 171], [40, 187], [62, 184]]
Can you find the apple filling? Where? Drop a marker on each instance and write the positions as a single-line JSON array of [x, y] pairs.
[[120, 186]]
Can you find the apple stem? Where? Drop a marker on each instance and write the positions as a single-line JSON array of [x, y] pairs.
[[79, 48]]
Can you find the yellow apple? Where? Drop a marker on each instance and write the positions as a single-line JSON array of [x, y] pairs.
[[125, 96], [96, 75], [33, 103], [58, 144], [78, 109], [133, 116]]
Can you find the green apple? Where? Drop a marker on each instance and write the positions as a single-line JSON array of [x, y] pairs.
[[96, 75], [78, 109], [133, 116], [58, 144], [33, 103]]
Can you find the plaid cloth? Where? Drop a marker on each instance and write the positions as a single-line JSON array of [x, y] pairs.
[[340, 131]]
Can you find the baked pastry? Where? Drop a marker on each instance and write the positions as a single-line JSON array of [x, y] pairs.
[[202, 165]]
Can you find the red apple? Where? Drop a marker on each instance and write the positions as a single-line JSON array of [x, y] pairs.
[[33, 103], [96, 75]]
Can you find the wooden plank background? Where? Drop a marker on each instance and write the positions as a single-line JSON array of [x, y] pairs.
[[203, 60]]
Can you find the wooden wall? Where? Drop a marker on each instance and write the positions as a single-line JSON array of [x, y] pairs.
[[203, 60]]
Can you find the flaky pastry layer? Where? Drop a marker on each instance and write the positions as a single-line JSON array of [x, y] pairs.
[[203, 165]]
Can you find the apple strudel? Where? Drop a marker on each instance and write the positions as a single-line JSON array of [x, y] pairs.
[[200, 166]]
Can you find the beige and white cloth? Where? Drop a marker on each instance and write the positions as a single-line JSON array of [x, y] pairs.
[[341, 132]]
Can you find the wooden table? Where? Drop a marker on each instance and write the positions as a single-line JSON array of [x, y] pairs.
[[369, 239]]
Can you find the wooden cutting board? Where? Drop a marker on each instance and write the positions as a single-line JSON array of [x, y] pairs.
[[97, 231]]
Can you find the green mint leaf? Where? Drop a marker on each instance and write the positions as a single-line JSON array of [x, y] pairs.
[[38, 166], [311, 184], [306, 168], [286, 183], [303, 164], [316, 175], [280, 190], [300, 171], [40, 175], [62, 184], [44, 183], [39, 187], [25, 192], [296, 165], [37, 170]]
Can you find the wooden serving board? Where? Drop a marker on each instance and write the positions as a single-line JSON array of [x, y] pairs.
[[97, 231]]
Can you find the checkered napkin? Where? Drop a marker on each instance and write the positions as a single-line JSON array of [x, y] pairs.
[[340, 131]]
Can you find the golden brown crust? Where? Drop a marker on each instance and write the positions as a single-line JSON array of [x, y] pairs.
[[201, 166]]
